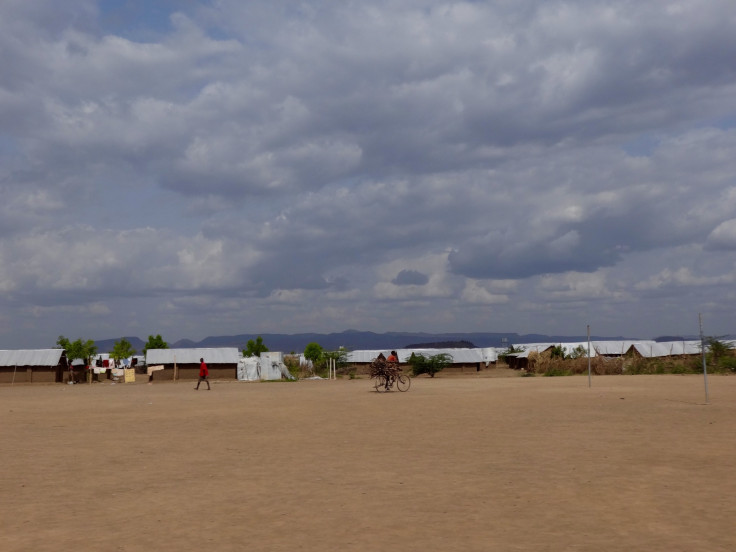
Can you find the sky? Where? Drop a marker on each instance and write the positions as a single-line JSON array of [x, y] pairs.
[[219, 167]]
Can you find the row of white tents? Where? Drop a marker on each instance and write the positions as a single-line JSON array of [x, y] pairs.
[[643, 348], [486, 355], [482, 355]]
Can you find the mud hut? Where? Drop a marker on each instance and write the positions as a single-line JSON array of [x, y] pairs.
[[184, 363], [32, 365]]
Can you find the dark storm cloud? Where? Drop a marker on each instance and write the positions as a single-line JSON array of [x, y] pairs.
[[409, 277]]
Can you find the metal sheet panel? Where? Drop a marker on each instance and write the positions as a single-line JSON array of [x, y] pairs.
[[30, 357], [222, 355]]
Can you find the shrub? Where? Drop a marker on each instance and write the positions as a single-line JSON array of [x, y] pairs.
[[729, 363], [296, 369], [511, 350], [557, 352], [578, 352], [557, 371], [421, 364]]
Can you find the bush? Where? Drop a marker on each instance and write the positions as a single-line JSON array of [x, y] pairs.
[[511, 350], [729, 363], [557, 371], [578, 352], [557, 352], [545, 364], [296, 369], [421, 364], [340, 356]]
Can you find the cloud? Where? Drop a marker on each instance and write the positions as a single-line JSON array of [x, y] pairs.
[[476, 293], [316, 165], [410, 278], [723, 237]]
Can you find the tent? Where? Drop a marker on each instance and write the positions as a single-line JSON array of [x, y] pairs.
[[269, 366]]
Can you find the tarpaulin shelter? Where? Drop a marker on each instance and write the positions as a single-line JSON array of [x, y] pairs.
[[269, 366]]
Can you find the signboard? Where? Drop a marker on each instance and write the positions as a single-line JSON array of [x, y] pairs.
[[129, 375]]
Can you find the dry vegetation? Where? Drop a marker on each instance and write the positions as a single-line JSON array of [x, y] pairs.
[[545, 364]]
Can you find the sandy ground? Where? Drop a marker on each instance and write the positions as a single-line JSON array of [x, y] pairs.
[[457, 463]]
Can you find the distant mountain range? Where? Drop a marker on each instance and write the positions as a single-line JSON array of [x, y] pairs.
[[357, 340]]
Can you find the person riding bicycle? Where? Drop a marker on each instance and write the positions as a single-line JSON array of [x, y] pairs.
[[392, 368]]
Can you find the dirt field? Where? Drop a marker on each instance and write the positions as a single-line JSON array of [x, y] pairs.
[[472, 463]]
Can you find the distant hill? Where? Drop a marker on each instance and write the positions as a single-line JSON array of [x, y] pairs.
[[357, 340], [184, 344], [106, 345], [441, 345]]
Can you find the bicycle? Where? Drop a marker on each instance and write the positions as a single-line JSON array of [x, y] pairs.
[[385, 383]]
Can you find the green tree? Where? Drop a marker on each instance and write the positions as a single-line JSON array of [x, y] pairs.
[[63, 343], [718, 354], [340, 356], [313, 351], [255, 348], [716, 348], [579, 352], [155, 343], [122, 349], [77, 349], [510, 351], [557, 351], [421, 364]]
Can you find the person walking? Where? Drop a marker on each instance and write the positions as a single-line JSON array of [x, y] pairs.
[[203, 373]]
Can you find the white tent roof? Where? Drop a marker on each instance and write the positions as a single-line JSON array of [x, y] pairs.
[[647, 348], [31, 357], [540, 347], [650, 349], [459, 356], [614, 347], [222, 355]]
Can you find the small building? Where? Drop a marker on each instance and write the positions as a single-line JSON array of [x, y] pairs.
[[184, 363], [32, 366]]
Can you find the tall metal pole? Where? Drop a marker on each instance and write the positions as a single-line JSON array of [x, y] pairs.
[[589, 355], [702, 350]]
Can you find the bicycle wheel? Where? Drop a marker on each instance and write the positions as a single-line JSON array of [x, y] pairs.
[[403, 382], [380, 384]]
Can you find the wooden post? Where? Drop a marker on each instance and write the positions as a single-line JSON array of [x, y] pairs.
[[588, 355], [702, 352], [175, 369], [15, 368]]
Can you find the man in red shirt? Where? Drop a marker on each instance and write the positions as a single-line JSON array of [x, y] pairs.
[[203, 373]]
